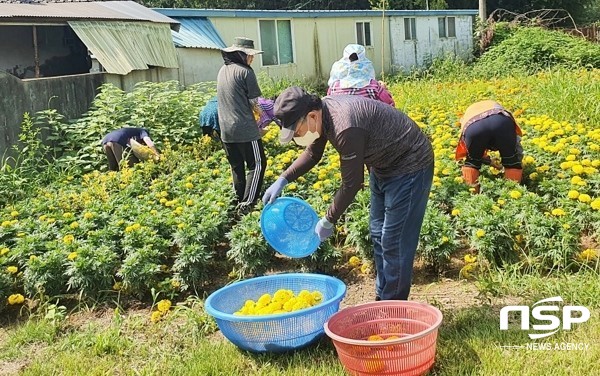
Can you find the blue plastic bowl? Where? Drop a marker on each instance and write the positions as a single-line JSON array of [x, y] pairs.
[[278, 332], [288, 225]]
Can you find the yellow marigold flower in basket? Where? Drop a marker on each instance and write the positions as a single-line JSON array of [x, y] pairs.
[[16, 299], [164, 305], [317, 296], [264, 300], [375, 365]]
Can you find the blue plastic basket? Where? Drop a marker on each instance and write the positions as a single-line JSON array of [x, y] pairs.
[[288, 225], [276, 332]]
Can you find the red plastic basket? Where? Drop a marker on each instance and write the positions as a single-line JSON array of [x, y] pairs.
[[413, 351]]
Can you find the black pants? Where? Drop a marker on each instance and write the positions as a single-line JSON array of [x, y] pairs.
[[495, 132], [250, 155], [114, 154]]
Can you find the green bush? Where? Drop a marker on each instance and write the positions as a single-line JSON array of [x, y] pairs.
[[438, 239], [532, 49]]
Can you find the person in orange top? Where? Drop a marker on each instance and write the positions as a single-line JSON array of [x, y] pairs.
[[486, 125]]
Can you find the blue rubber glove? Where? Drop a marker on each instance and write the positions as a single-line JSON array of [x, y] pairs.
[[274, 191], [324, 229]]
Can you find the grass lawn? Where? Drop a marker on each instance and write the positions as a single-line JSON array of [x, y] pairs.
[[103, 341]]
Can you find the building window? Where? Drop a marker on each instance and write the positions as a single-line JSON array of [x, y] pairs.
[[447, 27], [363, 33], [410, 28], [276, 42]]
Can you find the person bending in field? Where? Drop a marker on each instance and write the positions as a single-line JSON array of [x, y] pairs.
[[133, 142], [486, 125], [400, 161]]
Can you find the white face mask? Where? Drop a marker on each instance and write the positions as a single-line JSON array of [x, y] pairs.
[[308, 138]]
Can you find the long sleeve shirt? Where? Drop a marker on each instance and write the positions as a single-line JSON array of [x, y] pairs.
[[364, 132]]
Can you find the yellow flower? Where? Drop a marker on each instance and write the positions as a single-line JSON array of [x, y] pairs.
[[88, 215], [32, 258], [501, 202], [16, 299], [573, 194], [578, 169], [292, 187], [366, 269], [118, 286], [480, 233], [14, 213], [164, 305], [68, 239], [156, 316], [175, 283], [354, 261], [588, 255], [558, 212], [470, 259], [585, 198], [455, 212], [67, 215], [189, 185], [4, 251], [72, 256], [74, 225], [595, 204], [515, 194], [12, 269]]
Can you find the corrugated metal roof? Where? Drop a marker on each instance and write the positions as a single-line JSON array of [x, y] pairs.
[[107, 10], [123, 46], [197, 32], [251, 13]]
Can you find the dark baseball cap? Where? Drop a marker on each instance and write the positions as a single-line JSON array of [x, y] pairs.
[[290, 106]]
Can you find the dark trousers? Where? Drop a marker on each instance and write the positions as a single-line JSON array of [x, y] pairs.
[[397, 210], [251, 156], [495, 132], [114, 154]]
